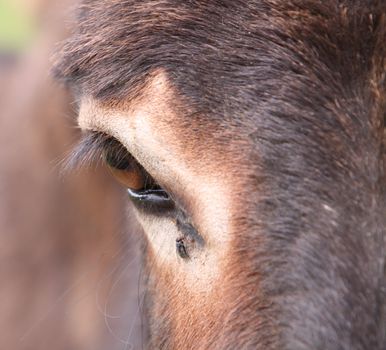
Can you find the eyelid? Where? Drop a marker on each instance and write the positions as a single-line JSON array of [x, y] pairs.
[[179, 201], [92, 147]]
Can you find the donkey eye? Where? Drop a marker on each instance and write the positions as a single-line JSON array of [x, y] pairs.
[[143, 190], [125, 170]]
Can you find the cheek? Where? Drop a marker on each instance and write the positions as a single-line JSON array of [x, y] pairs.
[[184, 307], [210, 213], [198, 271]]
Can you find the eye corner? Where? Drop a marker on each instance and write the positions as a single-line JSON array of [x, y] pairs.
[[181, 249]]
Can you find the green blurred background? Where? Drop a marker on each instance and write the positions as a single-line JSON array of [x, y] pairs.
[[17, 25]]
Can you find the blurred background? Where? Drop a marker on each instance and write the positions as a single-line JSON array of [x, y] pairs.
[[69, 261]]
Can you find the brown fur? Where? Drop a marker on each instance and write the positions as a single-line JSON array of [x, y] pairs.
[[290, 96]]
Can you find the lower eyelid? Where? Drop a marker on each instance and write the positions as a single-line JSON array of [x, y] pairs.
[[155, 202], [156, 195]]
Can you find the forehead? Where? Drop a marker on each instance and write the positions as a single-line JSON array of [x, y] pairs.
[[262, 68], [222, 56]]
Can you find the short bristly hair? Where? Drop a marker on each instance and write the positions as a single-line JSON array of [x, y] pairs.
[[228, 44]]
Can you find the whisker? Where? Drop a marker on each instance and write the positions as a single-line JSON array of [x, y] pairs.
[[120, 271], [103, 310], [142, 295]]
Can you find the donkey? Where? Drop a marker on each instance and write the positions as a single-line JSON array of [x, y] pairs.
[[250, 137]]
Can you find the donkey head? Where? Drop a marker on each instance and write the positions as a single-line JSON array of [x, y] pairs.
[[250, 137]]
